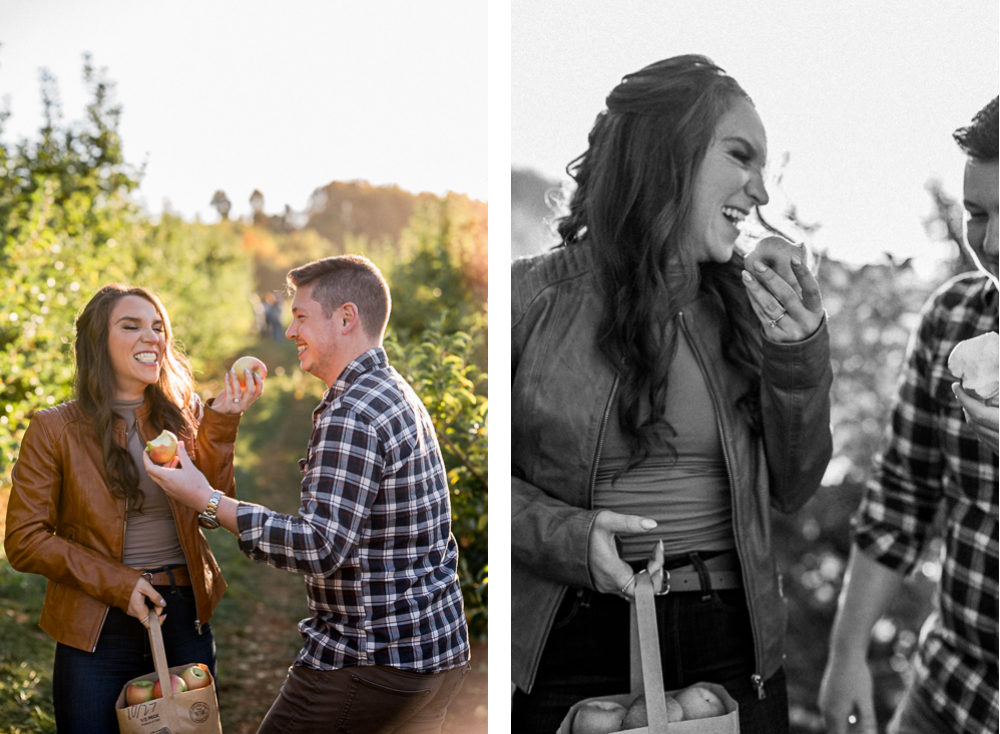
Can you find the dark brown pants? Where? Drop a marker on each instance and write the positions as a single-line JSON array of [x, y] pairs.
[[371, 699]]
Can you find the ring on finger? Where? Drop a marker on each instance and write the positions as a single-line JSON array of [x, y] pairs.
[[628, 583], [774, 322]]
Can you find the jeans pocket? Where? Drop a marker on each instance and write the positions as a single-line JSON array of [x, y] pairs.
[[371, 708]]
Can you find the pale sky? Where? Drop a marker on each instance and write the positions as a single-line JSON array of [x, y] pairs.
[[282, 97], [863, 95]]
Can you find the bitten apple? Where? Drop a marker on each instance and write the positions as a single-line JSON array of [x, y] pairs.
[[162, 448], [976, 362], [249, 363], [176, 683], [196, 677], [598, 717], [139, 691]]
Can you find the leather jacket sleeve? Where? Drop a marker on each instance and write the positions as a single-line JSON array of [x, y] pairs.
[[795, 405], [550, 537], [34, 543]]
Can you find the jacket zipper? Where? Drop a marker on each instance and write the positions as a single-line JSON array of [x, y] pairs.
[[756, 679], [600, 444], [187, 562], [590, 505], [121, 559]]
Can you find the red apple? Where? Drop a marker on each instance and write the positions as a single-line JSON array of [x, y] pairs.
[[139, 691], [700, 703], [598, 717], [249, 363], [176, 683], [196, 677], [162, 448]]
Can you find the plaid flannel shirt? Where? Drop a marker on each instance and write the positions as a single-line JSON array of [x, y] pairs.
[[933, 458], [373, 534]]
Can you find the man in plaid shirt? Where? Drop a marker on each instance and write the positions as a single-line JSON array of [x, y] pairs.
[[942, 454], [386, 647]]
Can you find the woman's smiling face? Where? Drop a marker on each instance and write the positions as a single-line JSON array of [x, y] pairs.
[[729, 182], [136, 345]]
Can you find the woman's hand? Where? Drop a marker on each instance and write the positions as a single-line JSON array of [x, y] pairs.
[[181, 479], [985, 420], [234, 398], [784, 315], [777, 253], [137, 602], [610, 573]]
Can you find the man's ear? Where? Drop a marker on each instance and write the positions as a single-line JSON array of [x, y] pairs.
[[349, 317]]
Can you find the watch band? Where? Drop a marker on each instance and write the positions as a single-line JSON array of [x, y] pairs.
[[207, 518]]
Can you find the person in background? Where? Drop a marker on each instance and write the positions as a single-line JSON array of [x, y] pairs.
[[386, 648], [940, 457], [84, 513], [667, 394]]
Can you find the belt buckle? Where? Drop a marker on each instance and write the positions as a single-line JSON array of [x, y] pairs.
[[665, 584]]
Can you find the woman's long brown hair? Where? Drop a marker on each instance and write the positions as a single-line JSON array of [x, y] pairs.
[[632, 205], [169, 398]]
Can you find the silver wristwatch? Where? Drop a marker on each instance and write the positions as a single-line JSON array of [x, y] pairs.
[[207, 519]]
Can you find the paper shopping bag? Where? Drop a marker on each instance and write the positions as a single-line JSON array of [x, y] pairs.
[[191, 712], [647, 680]]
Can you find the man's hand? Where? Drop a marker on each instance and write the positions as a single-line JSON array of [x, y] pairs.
[[181, 479], [846, 698], [985, 420]]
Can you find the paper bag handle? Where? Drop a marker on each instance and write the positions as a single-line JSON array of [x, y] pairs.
[[647, 670], [159, 654]]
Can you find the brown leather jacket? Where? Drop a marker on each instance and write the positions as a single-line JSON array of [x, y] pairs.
[[63, 522], [563, 395]]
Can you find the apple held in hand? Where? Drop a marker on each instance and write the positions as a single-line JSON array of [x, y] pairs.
[[599, 717], [976, 362], [176, 683], [196, 677], [249, 363], [139, 691], [162, 448]]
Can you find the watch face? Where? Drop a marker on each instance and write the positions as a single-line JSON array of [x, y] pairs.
[[209, 523]]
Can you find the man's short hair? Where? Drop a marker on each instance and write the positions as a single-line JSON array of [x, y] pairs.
[[347, 278], [979, 138]]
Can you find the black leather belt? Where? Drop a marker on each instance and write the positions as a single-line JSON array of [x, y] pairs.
[[699, 571]]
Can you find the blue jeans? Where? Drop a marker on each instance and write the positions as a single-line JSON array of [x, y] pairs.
[[86, 685], [587, 654]]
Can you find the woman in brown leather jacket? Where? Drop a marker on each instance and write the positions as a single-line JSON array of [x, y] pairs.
[[84, 513], [665, 393]]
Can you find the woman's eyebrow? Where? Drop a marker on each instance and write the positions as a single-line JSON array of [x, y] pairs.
[[754, 151], [137, 320]]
